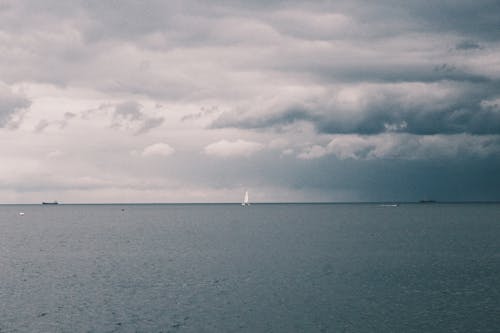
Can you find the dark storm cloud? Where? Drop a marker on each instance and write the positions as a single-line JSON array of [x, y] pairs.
[[404, 180], [467, 45], [328, 44], [463, 114], [417, 108], [338, 43], [471, 18], [387, 72], [161, 25], [282, 117]]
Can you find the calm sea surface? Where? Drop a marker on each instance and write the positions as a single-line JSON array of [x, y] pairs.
[[265, 268]]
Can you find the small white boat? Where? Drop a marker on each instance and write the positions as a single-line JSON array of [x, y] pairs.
[[21, 213], [245, 200]]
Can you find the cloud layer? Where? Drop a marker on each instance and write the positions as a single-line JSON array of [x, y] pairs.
[[301, 89], [372, 108]]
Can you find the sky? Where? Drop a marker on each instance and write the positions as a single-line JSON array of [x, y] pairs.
[[197, 101]]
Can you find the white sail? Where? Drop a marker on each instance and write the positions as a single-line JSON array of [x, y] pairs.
[[245, 199]]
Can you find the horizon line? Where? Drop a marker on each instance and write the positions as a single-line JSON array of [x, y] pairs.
[[264, 203]]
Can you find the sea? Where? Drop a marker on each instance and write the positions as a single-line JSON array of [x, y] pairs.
[[263, 268]]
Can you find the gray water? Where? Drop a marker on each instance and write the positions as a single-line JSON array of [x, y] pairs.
[[265, 268]]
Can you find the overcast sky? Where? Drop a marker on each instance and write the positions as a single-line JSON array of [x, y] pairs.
[[196, 101]]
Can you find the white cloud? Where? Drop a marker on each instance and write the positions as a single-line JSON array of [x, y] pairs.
[[239, 147], [54, 154], [158, 149]]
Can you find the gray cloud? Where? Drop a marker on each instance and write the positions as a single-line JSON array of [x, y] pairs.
[[467, 45], [417, 108], [10, 104], [66, 119], [342, 41], [273, 118], [463, 114], [131, 112], [69, 115], [406, 146], [149, 123], [41, 126], [472, 19]]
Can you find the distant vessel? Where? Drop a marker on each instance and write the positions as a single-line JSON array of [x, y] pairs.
[[427, 201], [50, 203], [389, 205], [245, 200]]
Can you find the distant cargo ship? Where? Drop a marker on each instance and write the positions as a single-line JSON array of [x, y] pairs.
[[50, 203], [427, 201]]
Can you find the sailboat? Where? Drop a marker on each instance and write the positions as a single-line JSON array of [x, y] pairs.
[[245, 200]]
